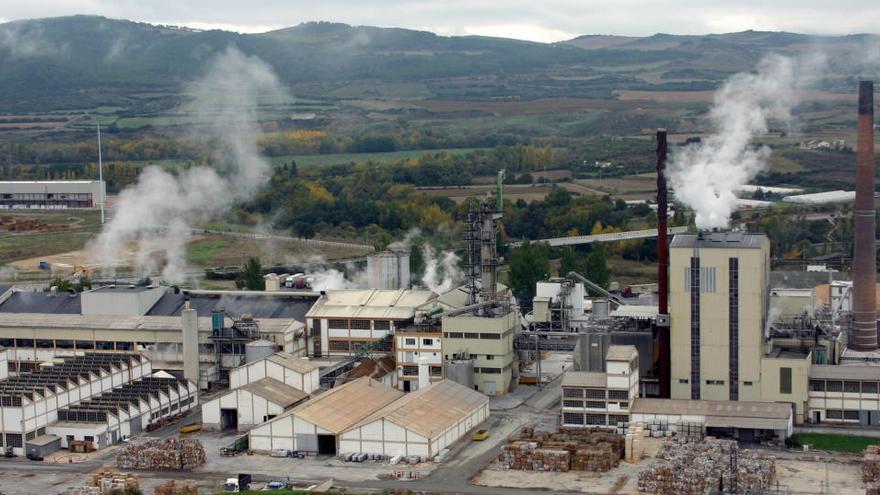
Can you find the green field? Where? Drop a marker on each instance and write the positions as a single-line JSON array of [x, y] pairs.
[[22, 245], [203, 252], [309, 161], [832, 442]]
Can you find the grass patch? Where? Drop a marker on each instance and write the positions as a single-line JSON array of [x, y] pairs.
[[835, 443], [22, 245], [203, 251]]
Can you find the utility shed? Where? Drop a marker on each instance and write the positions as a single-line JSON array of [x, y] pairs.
[[421, 423], [286, 368], [745, 420], [315, 425], [252, 404]]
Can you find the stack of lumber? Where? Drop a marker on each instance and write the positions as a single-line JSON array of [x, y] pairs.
[[563, 450], [172, 454], [691, 468]]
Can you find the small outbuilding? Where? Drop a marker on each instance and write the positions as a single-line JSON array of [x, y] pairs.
[[744, 420]]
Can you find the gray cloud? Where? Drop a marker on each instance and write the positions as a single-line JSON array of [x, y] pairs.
[[550, 20]]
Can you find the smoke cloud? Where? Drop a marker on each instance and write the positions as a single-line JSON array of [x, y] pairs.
[[27, 39], [706, 175], [441, 272], [158, 211]]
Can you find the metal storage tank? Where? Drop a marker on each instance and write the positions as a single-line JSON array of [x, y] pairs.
[[388, 270], [258, 349], [460, 371]]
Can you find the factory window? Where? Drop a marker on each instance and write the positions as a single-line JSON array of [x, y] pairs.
[[436, 371], [591, 404], [833, 386], [360, 324], [24, 343], [490, 357], [572, 418], [595, 394], [123, 346], [817, 385], [104, 345], [707, 279], [785, 381], [492, 371], [41, 431], [337, 345], [13, 440], [45, 344], [850, 415], [624, 404], [6, 342], [203, 348], [11, 366], [454, 335], [490, 336], [683, 380], [343, 324], [409, 341], [381, 325], [748, 384], [410, 371], [617, 420], [618, 394], [30, 435], [572, 403], [471, 335], [714, 382], [595, 419], [869, 387], [572, 392], [851, 387], [64, 344], [427, 341]]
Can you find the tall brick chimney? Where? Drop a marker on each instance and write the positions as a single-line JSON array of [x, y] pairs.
[[864, 326]]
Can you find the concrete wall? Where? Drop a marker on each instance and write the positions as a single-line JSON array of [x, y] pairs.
[[120, 301], [714, 322], [280, 433], [770, 383]]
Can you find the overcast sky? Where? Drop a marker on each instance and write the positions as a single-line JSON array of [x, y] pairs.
[[542, 20]]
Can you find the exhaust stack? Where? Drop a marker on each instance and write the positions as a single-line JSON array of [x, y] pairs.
[[863, 336], [662, 268]]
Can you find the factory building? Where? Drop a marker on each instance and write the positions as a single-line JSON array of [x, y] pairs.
[[414, 348], [591, 398], [260, 390], [745, 420], [487, 339], [51, 194], [36, 326], [95, 398], [315, 426], [718, 304], [421, 423], [342, 322], [844, 394]]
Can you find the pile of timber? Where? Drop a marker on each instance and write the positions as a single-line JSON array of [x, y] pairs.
[[172, 454], [588, 449]]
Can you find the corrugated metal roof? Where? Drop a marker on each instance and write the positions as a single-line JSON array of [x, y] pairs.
[[42, 302], [111, 322], [429, 411], [276, 392], [346, 405], [635, 311], [292, 362], [260, 306], [713, 408], [705, 240], [621, 353], [584, 379], [844, 372], [373, 304], [792, 279]]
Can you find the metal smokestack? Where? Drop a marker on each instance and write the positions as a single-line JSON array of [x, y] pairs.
[[662, 267], [864, 326]]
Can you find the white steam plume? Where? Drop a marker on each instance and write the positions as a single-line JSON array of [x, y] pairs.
[[159, 209], [441, 273], [706, 175]]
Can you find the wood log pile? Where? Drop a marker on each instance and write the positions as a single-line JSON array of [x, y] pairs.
[[174, 488], [588, 449], [171, 454], [709, 466]]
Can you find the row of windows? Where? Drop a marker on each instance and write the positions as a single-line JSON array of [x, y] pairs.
[[707, 279], [414, 370], [589, 419], [411, 341], [474, 336], [838, 414], [685, 381], [103, 345], [337, 324], [849, 386], [592, 404], [355, 345], [592, 393]]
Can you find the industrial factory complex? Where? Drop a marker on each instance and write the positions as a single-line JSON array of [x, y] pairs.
[[720, 346]]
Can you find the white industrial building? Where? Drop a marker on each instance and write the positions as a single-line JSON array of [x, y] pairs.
[[51, 194], [822, 198], [97, 398], [421, 423], [844, 394], [593, 398], [315, 426], [261, 390], [415, 347], [342, 321], [249, 405], [746, 420]]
